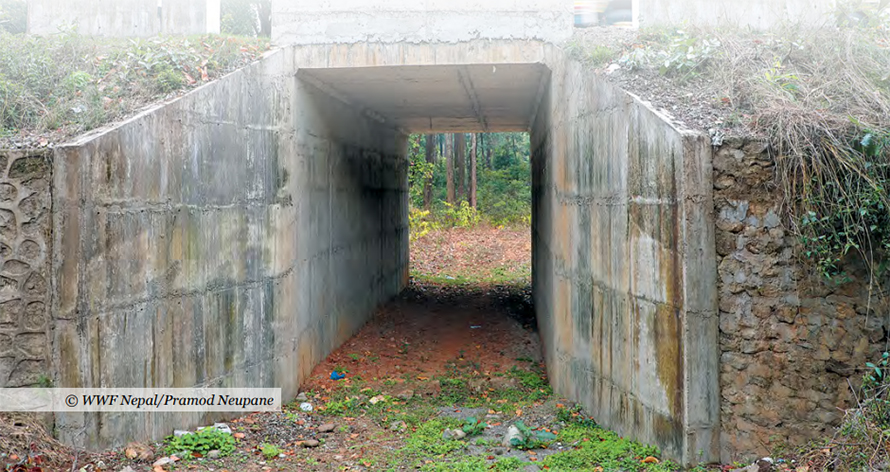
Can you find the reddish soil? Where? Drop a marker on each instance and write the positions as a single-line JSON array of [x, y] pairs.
[[431, 329], [480, 253]]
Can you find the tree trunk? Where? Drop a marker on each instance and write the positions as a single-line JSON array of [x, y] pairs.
[[449, 169], [428, 183], [460, 145], [473, 150], [487, 151], [264, 11]]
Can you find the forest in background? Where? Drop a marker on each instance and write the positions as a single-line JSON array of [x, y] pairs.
[[466, 178]]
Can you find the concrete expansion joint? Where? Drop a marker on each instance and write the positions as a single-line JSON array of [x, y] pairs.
[[179, 293], [124, 208]]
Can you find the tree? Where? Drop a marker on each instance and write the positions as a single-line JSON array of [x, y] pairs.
[[449, 169], [431, 159], [246, 17], [473, 150], [13, 16], [460, 149]]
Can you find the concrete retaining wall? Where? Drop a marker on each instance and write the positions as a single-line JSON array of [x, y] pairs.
[[624, 268], [758, 14], [409, 21], [233, 237], [121, 18], [25, 246]]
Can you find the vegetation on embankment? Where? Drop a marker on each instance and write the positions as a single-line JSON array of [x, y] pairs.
[[53, 88], [819, 96]]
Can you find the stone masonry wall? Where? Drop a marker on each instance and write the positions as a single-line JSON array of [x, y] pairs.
[[24, 247], [789, 341]]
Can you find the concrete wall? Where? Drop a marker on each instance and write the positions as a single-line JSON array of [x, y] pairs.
[[623, 261], [758, 14], [25, 245], [410, 21], [232, 237], [124, 17], [789, 339]]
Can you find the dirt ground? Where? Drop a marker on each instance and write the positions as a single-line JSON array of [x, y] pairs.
[[483, 254], [428, 335]]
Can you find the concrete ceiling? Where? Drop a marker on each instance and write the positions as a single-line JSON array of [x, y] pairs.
[[449, 98]]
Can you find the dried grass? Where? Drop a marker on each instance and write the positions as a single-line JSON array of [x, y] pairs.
[[23, 435]]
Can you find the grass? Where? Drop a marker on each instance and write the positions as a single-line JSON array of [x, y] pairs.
[[819, 96], [595, 449], [67, 84]]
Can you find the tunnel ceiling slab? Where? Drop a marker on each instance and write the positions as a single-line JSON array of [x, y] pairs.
[[440, 98]]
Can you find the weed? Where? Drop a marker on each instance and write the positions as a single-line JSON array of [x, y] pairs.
[[472, 426], [531, 439], [201, 442], [270, 451], [596, 447]]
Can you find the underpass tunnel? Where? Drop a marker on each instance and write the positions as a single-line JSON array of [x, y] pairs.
[[427, 99]]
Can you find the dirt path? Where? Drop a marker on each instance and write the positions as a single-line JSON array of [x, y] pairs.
[[435, 360]]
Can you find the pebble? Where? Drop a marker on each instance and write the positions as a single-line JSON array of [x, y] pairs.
[[453, 434], [397, 426], [163, 461], [302, 397], [223, 428], [127, 469], [214, 454], [512, 432], [309, 443], [326, 428]]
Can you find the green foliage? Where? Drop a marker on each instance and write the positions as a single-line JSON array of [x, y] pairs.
[[242, 17], [787, 82], [453, 390], [848, 209], [13, 16], [78, 83], [475, 464], [595, 447], [201, 442], [503, 185], [460, 216], [428, 440], [472, 426], [531, 439], [675, 54], [270, 451], [876, 392], [420, 223]]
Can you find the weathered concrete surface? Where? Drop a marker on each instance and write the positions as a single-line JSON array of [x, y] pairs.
[[25, 245], [623, 264], [758, 14], [789, 340], [443, 87], [233, 237], [424, 21], [120, 18]]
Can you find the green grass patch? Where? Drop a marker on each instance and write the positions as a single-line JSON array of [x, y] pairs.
[[596, 447]]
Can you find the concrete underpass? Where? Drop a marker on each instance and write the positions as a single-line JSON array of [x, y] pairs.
[[237, 235]]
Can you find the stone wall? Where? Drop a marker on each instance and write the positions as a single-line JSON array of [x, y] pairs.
[[623, 261], [789, 340], [230, 238], [25, 245]]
